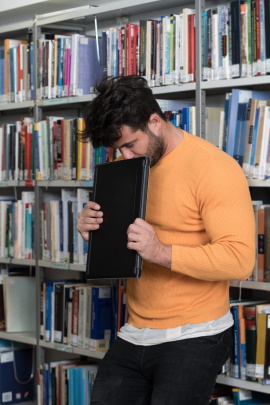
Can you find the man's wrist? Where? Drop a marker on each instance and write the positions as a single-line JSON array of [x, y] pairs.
[[165, 256]]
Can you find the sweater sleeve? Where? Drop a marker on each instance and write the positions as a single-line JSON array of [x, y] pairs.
[[225, 206]]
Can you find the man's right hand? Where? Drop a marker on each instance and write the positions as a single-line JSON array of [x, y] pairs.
[[89, 219]]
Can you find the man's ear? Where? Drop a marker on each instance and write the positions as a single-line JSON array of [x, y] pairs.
[[155, 123]]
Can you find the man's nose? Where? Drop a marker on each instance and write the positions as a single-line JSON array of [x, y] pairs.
[[127, 153]]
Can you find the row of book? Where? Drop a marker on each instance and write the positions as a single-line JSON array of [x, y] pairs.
[[241, 128], [82, 315], [66, 382], [60, 240], [48, 150], [17, 70], [250, 357], [261, 271], [236, 40], [17, 231], [246, 130]]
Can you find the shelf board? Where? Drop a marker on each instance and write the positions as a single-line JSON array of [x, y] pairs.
[[23, 337], [23, 262], [251, 285], [235, 83], [65, 183], [173, 89], [258, 183], [62, 266], [16, 106], [17, 183], [71, 349], [237, 382], [109, 10], [65, 100]]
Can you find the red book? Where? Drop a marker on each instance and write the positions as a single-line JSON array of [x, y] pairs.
[[132, 31]]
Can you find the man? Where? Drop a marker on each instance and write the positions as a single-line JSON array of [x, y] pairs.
[[198, 235]]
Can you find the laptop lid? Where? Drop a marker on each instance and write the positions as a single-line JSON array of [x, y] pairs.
[[120, 188]]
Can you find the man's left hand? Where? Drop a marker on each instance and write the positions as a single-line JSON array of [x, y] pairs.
[[143, 238]]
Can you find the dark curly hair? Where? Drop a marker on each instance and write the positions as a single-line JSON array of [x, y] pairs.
[[125, 100]]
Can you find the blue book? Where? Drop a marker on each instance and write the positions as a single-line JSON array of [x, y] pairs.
[[72, 400], [239, 97], [241, 124], [236, 344], [61, 235], [186, 119], [205, 38], [89, 67], [13, 77], [102, 323]]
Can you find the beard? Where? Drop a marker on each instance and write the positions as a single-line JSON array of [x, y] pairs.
[[155, 148]]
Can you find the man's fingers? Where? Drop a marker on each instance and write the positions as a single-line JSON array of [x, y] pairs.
[[133, 237], [140, 222]]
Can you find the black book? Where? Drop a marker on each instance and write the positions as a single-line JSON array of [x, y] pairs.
[[120, 188]]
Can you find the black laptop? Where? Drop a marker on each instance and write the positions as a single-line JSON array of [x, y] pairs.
[[120, 188]]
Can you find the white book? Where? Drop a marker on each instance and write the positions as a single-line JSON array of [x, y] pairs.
[[74, 63], [215, 44], [177, 48], [55, 231], [19, 302], [221, 129]]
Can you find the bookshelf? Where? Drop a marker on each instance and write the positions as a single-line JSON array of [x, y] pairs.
[[200, 92]]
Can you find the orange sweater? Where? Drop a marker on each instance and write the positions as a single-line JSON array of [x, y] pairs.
[[198, 202]]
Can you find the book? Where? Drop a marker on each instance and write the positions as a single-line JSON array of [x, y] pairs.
[[239, 103], [89, 67], [19, 301]]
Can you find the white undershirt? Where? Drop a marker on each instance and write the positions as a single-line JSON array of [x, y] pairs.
[[147, 336]]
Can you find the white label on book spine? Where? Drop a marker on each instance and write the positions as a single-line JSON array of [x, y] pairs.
[[259, 370], [250, 370], [74, 340], [6, 397], [6, 357], [57, 336], [104, 292], [267, 65]]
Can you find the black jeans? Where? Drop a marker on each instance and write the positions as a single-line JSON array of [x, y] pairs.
[[174, 373]]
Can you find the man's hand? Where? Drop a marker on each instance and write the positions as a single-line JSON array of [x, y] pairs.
[[89, 219], [143, 238]]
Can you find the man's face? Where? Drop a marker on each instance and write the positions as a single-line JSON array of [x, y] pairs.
[[139, 143]]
